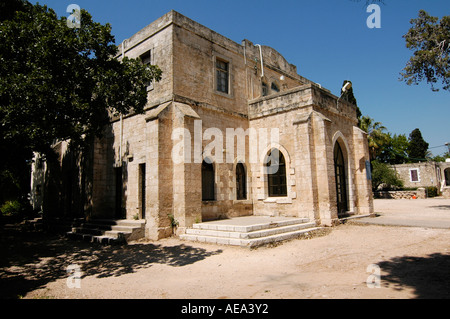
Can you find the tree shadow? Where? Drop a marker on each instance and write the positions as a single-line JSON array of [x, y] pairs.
[[442, 207], [429, 276], [30, 260]]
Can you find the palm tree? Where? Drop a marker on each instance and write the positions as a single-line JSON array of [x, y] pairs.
[[376, 135]]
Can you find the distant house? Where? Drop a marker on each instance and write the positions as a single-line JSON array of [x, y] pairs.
[[425, 174], [302, 153]]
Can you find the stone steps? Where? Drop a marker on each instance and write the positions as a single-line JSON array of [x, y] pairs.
[[248, 233], [108, 231]]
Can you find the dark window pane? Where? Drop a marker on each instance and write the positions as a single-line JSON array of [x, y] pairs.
[[208, 182], [222, 76], [241, 182], [277, 177]]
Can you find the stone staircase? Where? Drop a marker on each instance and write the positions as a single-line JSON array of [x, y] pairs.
[[249, 231], [107, 231]]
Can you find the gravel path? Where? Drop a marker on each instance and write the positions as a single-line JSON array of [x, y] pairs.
[[413, 263]]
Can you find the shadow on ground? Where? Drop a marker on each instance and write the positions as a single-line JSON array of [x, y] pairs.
[[442, 207], [30, 260], [428, 276]]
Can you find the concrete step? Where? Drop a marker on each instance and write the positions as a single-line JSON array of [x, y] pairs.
[[257, 225], [249, 231], [249, 234], [249, 242], [102, 239], [108, 231]]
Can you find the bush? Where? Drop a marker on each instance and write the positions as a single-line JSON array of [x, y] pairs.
[[383, 174], [432, 191], [11, 208]]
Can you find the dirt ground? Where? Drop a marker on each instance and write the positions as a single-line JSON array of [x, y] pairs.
[[414, 262]]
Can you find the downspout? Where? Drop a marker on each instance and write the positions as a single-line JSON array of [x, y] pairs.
[[246, 71], [121, 116], [261, 57]]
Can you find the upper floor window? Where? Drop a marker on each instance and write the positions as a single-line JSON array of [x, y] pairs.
[[275, 87], [222, 76], [146, 59], [264, 89]]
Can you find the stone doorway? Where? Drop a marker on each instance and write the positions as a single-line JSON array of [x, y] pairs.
[[341, 180]]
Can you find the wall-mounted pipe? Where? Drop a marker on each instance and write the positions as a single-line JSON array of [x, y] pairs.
[[261, 57], [121, 116]]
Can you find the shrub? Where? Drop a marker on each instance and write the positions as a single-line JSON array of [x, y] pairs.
[[432, 191], [383, 174], [11, 208]]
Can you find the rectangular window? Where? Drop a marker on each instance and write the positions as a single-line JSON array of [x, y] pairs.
[[222, 76], [146, 59], [414, 175]]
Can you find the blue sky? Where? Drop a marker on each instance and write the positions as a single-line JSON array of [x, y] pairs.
[[328, 41]]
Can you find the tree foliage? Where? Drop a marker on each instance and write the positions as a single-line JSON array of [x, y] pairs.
[[383, 175], [376, 134], [58, 82], [395, 150], [417, 148], [429, 38]]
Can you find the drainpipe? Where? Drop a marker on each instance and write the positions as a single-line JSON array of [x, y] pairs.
[[121, 116], [261, 57]]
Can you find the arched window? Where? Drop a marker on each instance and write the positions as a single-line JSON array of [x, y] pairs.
[[208, 181], [276, 174], [241, 182]]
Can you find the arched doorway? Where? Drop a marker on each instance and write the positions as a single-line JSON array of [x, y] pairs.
[[341, 180], [241, 182], [447, 176]]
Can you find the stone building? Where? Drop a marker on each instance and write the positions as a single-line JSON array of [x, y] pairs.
[[222, 117], [425, 174]]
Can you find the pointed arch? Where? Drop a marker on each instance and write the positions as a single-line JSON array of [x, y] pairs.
[[345, 196]]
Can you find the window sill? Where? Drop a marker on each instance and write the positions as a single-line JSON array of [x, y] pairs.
[[242, 201], [225, 95], [278, 200]]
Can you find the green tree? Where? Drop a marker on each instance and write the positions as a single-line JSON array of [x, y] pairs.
[[376, 135], [441, 158], [395, 151], [417, 149], [8, 8], [383, 174], [58, 82], [429, 38]]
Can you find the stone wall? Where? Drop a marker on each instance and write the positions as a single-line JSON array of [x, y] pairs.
[[418, 194]]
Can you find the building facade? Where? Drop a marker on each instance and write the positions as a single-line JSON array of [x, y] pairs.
[[425, 174], [230, 130]]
